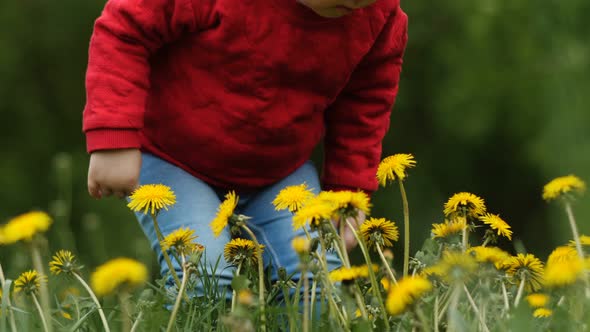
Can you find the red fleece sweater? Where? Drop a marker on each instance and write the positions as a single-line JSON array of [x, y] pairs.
[[239, 92]]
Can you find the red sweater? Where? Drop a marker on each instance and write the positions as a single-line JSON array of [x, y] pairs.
[[239, 92]]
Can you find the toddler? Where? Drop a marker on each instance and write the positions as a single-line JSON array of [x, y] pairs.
[[207, 96]]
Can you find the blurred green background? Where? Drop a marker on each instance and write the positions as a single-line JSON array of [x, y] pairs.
[[494, 100]]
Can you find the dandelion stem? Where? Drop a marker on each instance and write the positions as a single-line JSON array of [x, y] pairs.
[[261, 299], [505, 296], [125, 311], [7, 299], [572, 220], [103, 318], [406, 228], [234, 293], [137, 321], [476, 310], [387, 268], [452, 311], [43, 290], [331, 303], [464, 238], [372, 277], [341, 246], [520, 291], [436, 304], [164, 253], [313, 296], [305, 297], [179, 296], [43, 321]]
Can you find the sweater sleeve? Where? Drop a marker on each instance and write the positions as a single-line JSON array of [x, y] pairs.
[[358, 119], [126, 34]]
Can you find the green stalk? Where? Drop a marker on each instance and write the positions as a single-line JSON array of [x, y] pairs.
[[43, 321], [164, 253], [305, 298], [476, 310], [125, 312], [103, 318], [137, 321], [234, 294], [572, 220], [6, 298], [43, 290], [261, 299], [387, 267], [406, 228], [179, 296], [520, 290]]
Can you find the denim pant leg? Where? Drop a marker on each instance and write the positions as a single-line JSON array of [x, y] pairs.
[[196, 205], [274, 228]]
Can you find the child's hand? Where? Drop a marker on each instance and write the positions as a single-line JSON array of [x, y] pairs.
[[113, 172], [349, 239]]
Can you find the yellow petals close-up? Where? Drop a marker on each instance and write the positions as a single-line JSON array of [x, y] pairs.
[[563, 185], [24, 227], [394, 167], [292, 198], [224, 212], [118, 274], [151, 198]]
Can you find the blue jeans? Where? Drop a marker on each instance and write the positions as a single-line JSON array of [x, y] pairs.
[[196, 206]]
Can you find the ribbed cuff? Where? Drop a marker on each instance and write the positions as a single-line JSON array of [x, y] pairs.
[[109, 139]]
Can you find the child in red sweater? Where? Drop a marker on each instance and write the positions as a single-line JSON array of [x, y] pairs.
[[207, 96]]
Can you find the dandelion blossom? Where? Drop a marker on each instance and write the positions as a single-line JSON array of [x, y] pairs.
[[313, 212], [542, 313], [497, 224], [301, 245], [456, 266], [24, 227], [561, 273], [448, 228], [118, 273], [466, 204], [562, 254], [405, 293], [526, 266], [379, 231], [344, 274], [240, 251], [346, 202], [563, 185], [152, 198], [181, 240], [537, 300], [394, 167], [584, 240], [492, 255], [29, 282], [64, 262], [224, 213], [292, 197]]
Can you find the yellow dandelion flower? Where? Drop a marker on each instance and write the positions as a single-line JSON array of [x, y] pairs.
[[466, 204], [537, 300], [245, 297], [405, 293], [561, 273], [448, 228], [363, 270], [347, 202], [181, 240], [455, 266], [343, 274], [292, 197], [117, 273], [496, 223], [24, 227], [224, 213], [584, 240], [152, 198], [29, 282], [385, 283], [561, 254], [314, 212], [542, 313], [241, 251], [64, 261], [394, 167], [301, 245], [492, 255], [563, 185], [66, 315], [379, 231], [526, 266]]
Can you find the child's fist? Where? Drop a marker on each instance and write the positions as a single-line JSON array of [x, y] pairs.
[[113, 172]]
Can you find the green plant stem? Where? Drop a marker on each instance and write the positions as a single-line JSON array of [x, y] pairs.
[[505, 296], [103, 318], [125, 311], [179, 296], [422, 318], [261, 299], [520, 291], [305, 298], [464, 239], [7, 299], [453, 310], [406, 227], [372, 277], [43, 320], [313, 296], [331, 303], [387, 267], [164, 253], [572, 220], [340, 245], [137, 321], [234, 293], [476, 310], [43, 290], [435, 315]]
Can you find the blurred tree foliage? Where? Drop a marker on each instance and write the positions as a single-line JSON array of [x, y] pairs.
[[494, 100]]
